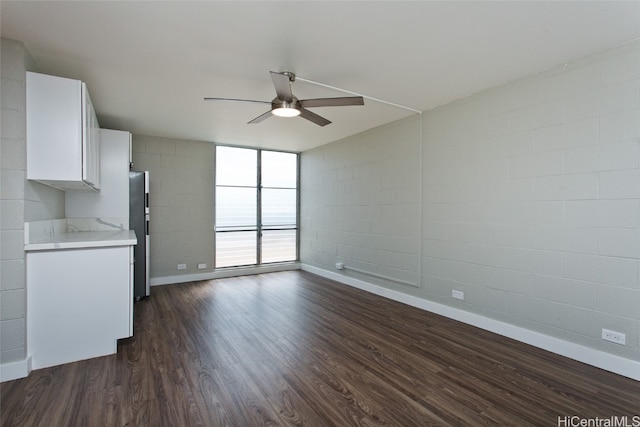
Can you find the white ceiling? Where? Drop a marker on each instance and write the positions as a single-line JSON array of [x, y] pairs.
[[149, 64]]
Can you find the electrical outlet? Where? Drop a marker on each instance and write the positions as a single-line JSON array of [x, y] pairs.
[[182, 266], [457, 294], [202, 266], [615, 337]]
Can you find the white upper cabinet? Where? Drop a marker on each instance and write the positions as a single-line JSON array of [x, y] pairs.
[[63, 138]]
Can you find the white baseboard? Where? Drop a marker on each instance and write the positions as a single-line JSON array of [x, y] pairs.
[[600, 359], [220, 274], [15, 370]]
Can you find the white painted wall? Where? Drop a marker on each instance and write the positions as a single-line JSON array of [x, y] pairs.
[[181, 204], [360, 204], [530, 202]]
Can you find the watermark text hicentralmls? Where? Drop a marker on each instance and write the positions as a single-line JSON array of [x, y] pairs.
[[612, 421]]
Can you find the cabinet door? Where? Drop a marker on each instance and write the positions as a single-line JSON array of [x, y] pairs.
[[91, 142], [54, 128]]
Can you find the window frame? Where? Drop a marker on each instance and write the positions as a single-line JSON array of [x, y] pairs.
[[259, 225]]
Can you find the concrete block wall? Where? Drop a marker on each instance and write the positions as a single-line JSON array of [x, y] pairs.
[[20, 201], [13, 152], [359, 203], [181, 203], [530, 199]]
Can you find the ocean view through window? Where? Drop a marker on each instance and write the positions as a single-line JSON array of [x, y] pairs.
[[256, 206]]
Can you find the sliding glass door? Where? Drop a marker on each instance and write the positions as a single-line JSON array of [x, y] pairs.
[[279, 182], [256, 206], [236, 206]]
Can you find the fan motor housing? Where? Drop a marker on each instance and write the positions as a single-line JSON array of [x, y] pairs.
[[280, 103]]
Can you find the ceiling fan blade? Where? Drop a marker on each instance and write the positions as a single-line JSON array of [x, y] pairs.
[[282, 83], [313, 117], [331, 102], [236, 99], [260, 118]]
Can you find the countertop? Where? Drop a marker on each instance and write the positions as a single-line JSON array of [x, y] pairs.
[[82, 239]]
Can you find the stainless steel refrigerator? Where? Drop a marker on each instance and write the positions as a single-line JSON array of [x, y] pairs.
[[139, 222]]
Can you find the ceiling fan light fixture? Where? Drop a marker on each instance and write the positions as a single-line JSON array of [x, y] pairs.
[[282, 108], [285, 112]]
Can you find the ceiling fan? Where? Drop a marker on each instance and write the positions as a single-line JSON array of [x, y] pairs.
[[287, 105]]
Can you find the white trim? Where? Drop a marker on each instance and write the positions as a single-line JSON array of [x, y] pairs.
[[600, 359], [15, 370], [222, 273]]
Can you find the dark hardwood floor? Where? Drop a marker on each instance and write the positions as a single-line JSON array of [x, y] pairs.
[[293, 348]]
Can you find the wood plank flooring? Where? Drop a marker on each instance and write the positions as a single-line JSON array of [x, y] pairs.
[[292, 348]]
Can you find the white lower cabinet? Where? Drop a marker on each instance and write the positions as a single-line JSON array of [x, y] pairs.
[[79, 303]]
